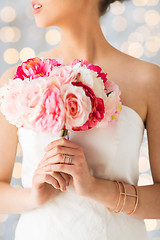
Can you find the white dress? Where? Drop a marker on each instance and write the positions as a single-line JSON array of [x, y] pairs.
[[112, 153]]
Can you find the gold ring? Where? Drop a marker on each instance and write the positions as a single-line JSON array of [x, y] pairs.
[[64, 157], [70, 160]]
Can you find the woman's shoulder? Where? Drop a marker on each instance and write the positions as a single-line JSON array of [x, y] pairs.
[[137, 79], [140, 69], [8, 74], [133, 74]]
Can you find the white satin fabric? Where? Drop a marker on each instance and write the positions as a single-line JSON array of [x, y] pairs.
[[112, 153]]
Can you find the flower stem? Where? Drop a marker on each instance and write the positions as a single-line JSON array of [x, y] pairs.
[[64, 133]]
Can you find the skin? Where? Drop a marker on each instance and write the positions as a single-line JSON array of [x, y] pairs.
[[82, 38]]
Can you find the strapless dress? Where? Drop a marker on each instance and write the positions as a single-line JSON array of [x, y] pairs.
[[112, 153]]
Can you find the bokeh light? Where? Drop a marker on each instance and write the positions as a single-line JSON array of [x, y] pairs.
[[119, 23], [136, 37], [17, 170], [8, 14], [117, 8], [144, 31], [19, 150], [140, 3], [152, 18], [153, 44], [144, 165], [53, 36], [151, 224], [11, 56], [152, 2], [135, 49], [145, 179], [10, 34], [27, 53], [124, 47]]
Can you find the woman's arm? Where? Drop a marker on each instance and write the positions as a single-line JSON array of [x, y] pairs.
[[149, 196], [106, 192], [12, 200], [17, 200]]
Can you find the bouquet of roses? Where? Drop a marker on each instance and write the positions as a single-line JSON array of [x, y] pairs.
[[47, 95]]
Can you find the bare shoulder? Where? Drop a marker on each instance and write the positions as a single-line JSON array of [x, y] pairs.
[[7, 75], [137, 80], [145, 75], [136, 74], [142, 70]]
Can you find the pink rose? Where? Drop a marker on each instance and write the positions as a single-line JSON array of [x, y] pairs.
[[35, 68], [52, 115], [97, 111], [77, 106], [64, 75]]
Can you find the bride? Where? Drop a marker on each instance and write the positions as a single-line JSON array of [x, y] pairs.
[[95, 196]]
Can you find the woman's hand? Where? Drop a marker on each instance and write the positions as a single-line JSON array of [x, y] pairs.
[[45, 186], [53, 161]]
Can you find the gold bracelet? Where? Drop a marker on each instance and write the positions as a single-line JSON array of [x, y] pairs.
[[136, 204], [124, 201], [110, 210]]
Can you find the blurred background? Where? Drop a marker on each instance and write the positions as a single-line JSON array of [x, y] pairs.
[[133, 27]]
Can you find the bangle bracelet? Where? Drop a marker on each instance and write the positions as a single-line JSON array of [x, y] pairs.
[[124, 201], [136, 204], [118, 199]]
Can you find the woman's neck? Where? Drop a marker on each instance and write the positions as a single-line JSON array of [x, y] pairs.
[[83, 39]]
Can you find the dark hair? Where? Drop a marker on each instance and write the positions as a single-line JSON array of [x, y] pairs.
[[104, 5]]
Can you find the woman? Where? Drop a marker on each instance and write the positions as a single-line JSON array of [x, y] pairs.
[[81, 200]]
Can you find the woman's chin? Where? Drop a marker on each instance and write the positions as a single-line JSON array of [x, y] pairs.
[[43, 24]]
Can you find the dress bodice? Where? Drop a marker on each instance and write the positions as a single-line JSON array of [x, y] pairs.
[[112, 153]]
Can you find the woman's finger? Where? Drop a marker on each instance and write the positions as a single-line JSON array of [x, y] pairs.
[[60, 150], [40, 177], [61, 142], [59, 158], [66, 177], [69, 169], [51, 180], [59, 181]]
